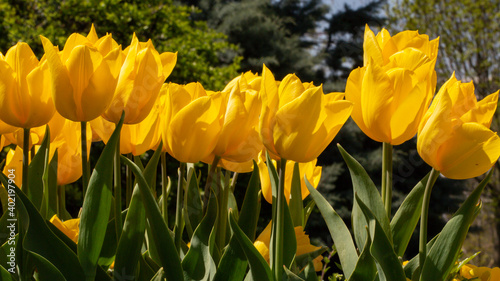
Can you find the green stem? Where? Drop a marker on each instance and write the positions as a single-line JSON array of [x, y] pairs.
[[118, 190], [26, 155], [85, 162], [208, 184], [424, 216], [277, 266], [178, 228], [387, 177], [61, 201], [164, 182], [222, 198], [129, 183]]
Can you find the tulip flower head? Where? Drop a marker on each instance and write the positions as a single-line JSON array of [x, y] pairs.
[[25, 95], [83, 79], [141, 77], [192, 121], [395, 86], [239, 139], [454, 136], [297, 120]]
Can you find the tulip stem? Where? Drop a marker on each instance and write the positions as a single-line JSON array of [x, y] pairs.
[[277, 265], [210, 179], [424, 216], [85, 162], [26, 155], [118, 190], [178, 228], [387, 177], [164, 183]]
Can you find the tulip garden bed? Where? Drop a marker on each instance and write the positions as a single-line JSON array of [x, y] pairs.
[[96, 89]]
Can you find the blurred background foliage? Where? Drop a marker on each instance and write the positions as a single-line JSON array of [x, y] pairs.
[[217, 39]]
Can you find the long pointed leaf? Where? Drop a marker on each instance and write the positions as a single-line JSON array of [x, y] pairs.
[[406, 218], [168, 254], [338, 230], [36, 168], [448, 245], [368, 193], [259, 268], [381, 249], [129, 247], [96, 207]]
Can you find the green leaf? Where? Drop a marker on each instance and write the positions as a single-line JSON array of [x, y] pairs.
[[290, 276], [296, 205], [198, 263], [167, 253], [193, 211], [233, 263], [338, 230], [159, 276], [129, 247], [251, 205], [35, 172], [49, 205], [310, 273], [146, 272], [259, 268], [369, 195], [53, 250], [388, 264], [151, 168], [5, 275], [308, 210], [444, 252], [96, 207], [406, 218], [412, 267], [366, 269], [45, 269], [303, 260]]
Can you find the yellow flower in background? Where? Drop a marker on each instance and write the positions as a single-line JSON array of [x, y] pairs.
[[14, 162], [17, 137], [141, 77], [309, 169], [192, 122], [69, 227], [298, 123], [69, 151], [83, 80], [303, 245], [470, 271], [454, 136], [105, 44], [395, 86], [25, 95]]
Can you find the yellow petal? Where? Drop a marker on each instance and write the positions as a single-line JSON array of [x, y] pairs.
[[92, 36], [62, 89], [289, 89], [199, 121], [470, 151], [168, 60], [371, 48], [376, 100], [483, 112]]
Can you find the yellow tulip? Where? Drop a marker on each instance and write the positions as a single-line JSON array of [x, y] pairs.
[[69, 151], [395, 86], [192, 122], [454, 136], [298, 123], [134, 138], [70, 228], [141, 77], [25, 95], [309, 169], [303, 245], [239, 139], [83, 80]]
